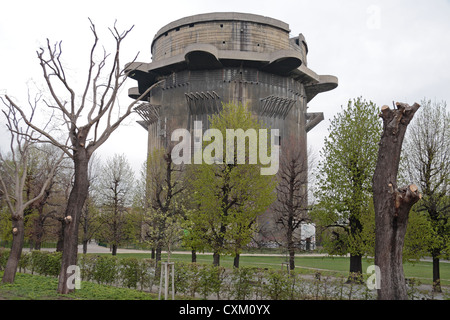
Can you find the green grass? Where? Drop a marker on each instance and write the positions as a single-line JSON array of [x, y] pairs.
[[421, 270], [36, 287]]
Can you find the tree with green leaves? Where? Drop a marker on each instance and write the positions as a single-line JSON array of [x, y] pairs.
[[228, 196], [344, 181], [426, 161]]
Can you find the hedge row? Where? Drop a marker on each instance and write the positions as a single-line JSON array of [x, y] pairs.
[[39, 262], [198, 280]]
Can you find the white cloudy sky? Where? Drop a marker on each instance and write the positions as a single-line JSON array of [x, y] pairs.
[[381, 50]]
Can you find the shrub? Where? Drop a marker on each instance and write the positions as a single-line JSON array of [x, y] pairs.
[[242, 282], [4, 255], [146, 273], [45, 263], [278, 285], [87, 266], [211, 279], [105, 270], [181, 277], [129, 272]]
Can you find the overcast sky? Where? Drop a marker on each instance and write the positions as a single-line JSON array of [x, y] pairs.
[[384, 51]]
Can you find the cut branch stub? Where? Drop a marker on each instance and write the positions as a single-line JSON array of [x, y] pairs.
[[68, 219]]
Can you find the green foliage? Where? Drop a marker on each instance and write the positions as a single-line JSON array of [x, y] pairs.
[[278, 285], [227, 197], [130, 272], [192, 279], [4, 254], [425, 162], [419, 236], [42, 262], [35, 287], [5, 224], [242, 280], [106, 270], [345, 178]]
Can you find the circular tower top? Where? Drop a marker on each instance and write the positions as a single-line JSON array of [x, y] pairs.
[[228, 31], [223, 40]]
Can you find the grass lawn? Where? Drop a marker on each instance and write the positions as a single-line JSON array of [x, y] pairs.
[[421, 270], [36, 287]]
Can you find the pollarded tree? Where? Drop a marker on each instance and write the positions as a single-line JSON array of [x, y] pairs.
[[392, 203], [426, 160], [345, 179], [229, 195], [85, 121]]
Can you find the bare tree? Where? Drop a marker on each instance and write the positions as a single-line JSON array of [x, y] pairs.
[[99, 108], [291, 207], [13, 178], [164, 208], [392, 204], [42, 209], [115, 186]]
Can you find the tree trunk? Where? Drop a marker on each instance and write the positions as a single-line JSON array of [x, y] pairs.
[[391, 204], [216, 259], [60, 242], [16, 250], [114, 249], [290, 242], [436, 276], [355, 268], [85, 243], [194, 256], [72, 218], [158, 254], [236, 261], [291, 258]]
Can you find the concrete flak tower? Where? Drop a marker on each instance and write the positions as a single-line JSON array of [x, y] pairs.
[[200, 61]]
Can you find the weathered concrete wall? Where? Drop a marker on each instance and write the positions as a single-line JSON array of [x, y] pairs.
[[223, 34], [202, 61]]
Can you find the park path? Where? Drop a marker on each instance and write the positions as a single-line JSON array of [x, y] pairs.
[[95, 248]]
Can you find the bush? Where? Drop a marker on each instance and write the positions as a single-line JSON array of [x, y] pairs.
[[242, 282], [182, 277], [278, 285], [4, 254], [105, 270], [211, 280], [44, 263], [129, 272]]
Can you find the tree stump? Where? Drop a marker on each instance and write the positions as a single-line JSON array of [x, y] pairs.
[[392, 204]]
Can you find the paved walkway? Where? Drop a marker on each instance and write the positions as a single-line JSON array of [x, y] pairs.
[[95, 248]]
